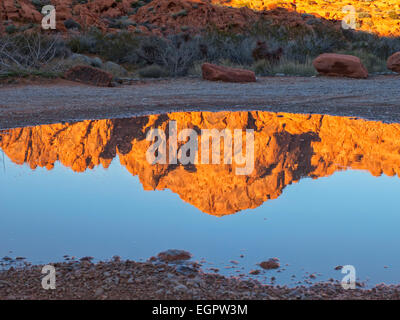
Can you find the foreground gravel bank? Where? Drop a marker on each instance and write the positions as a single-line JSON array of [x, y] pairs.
[[376, 98], [118, 279]]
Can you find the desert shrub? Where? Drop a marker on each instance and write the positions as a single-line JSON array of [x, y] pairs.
[[175, 53], [10, 29], [262, 68], [181, 13], [136, 5], [121, 23], [382, 47], [295, 68], [285, 66], [114, 47], [310, 47], [31, 54], [83, 43], [237, 48], [195, 69], [72, 24], [178, 54], [39, 4], [372, 62], [153, 71]]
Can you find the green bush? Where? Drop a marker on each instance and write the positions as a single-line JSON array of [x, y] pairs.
[[286, 67], [153, 71], [373, 63], [11, 29]]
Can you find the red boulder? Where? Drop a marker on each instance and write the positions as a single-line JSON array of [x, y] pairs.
[[89, 75], [213, 72], [393, 62], [341, 65]]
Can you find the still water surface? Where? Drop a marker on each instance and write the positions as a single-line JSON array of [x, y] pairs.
[[324, 192]]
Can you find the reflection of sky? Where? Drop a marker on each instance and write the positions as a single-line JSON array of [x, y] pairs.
[[348, 218]]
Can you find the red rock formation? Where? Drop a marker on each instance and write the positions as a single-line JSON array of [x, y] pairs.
[[213, 72], [288, 147], [89, 75], [165, 16], [376, 16], [21, 10], [172, 15], [393, 62], [380, 17], [342, 65]]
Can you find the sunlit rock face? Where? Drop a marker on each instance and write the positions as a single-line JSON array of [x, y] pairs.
[[287, 147], [377, 16]]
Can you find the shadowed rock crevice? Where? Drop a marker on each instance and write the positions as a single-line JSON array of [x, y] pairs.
[[123, 132]]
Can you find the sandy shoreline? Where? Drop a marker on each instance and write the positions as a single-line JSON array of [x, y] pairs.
[[130, 280], [376, 98]]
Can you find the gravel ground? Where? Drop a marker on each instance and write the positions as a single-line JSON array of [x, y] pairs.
[[377, 98], [118, 279]]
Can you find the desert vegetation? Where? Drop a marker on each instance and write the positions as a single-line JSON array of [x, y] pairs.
[[32, 54], [281, 51]]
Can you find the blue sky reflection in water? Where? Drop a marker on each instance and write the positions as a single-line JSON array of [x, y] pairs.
[[350, 217]]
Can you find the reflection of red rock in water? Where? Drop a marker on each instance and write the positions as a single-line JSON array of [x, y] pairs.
[[287, 148]]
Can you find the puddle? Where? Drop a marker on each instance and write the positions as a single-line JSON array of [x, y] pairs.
[[323, 192]]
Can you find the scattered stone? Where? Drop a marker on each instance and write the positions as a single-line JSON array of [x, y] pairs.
[[115, 69], [86, 259], [5, 283], [272, 263], [96, 62], [180, 287], [99, 292], [342, 65], [213, 72], [254, 272], [79, 59], [174, 255], [188, 268], [152, 282], [89, 75]]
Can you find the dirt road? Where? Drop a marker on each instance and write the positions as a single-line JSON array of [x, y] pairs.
[[377, 98]]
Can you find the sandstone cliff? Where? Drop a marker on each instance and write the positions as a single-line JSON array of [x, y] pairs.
[[378, 16]]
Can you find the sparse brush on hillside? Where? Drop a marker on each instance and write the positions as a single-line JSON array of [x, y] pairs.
[[182, 54], [284, 67], [31, 54]]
